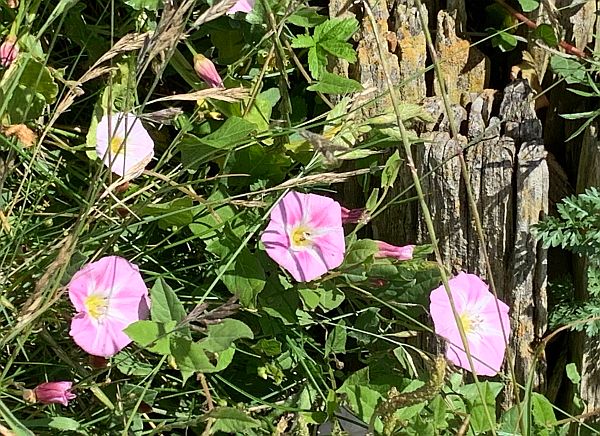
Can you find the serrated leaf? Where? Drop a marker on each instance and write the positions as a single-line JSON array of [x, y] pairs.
[[317, 60], [165, 303], [333, 84], [338, 48], [303, 41], [336, 28]]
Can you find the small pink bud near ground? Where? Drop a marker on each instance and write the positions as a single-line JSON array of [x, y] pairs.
[[207, 71], [400, 253], [9, 50], [54, 393]]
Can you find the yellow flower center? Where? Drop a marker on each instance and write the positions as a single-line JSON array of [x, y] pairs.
[[96, 306], [301, 237], [117, 145], [467, 323]]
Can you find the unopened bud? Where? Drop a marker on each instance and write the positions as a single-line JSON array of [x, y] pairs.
[[9, 50], [206, 70]]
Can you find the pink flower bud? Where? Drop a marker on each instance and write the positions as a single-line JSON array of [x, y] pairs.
[[9, 51], [353, 216], [244, 6], [54, 392], [206, 71], [400, 253]]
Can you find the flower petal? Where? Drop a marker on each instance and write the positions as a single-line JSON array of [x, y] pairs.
[[98, 339]]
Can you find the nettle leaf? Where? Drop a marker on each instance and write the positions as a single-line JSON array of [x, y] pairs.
[[529, 5], [230, 420], [339, 49], [336, 28], [546, 33], [303, 41], [220, 336], [333, 84], [317, 60], [165, 303]]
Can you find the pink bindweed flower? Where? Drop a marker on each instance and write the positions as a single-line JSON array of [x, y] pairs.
[[400, 253], [305, 235], [54, 393], [207, 71], [9, 50], [123, 144], [244, 6], [108, 295], [477, 311]]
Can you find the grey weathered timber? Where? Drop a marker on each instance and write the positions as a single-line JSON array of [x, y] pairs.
[[503, 149], [509, 179]]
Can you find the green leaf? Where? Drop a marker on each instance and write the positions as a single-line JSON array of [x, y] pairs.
[[173, 213], [360, 251], [543, 413], [129, 364], [306, 17], [366, 326], [573, 373], [138, 5], [268, 347], [329, 299], [63, 423], [504, 41], [339, 49], [529, 5], [336, 340], [209, 222], [151, 335], [390, 171], [310, 297], [546, 33], [245, 278], [260, 111], [192, 356], [480, 408], [37, 78], [336, 28], [570, 69], [230, 420], [317, 60], [165, 303], [361, 397], [303, 41], [232, 133], [333, 84], [220, 336]]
